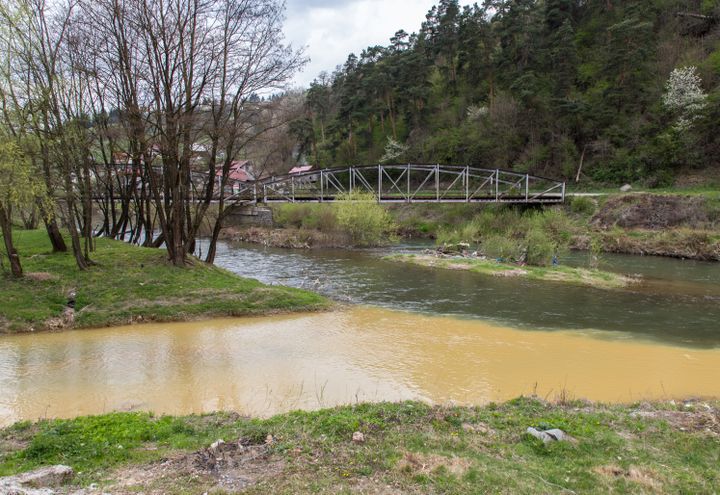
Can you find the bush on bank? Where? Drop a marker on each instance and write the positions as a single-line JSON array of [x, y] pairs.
[[683, 226], [355, 216], [514, 235]]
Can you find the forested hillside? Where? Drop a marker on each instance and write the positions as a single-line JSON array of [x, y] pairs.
[[603, 90]]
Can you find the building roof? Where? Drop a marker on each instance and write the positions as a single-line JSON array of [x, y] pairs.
[[238, 171], [239, 175], [300, 169], [237, 164]]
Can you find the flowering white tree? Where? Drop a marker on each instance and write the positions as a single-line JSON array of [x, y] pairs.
[[393, 150], [475, 112], [684, 95]]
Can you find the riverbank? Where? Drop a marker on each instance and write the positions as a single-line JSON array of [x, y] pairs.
[[683, 226], [388, 448], [287, 238], [129, 284], [563, 274]]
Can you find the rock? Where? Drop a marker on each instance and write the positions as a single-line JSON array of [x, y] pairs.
[[358, 437], [269, 439], [46, 476], [68, 316], [626, 188], [548, 436], [217, 446], [72, 295], [36, 482]]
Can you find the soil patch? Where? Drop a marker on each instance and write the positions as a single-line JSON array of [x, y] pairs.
[[655, 212], [417, 463], [638, 475], [225, 467]]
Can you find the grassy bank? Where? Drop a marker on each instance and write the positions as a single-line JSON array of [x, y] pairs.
[[663, 224], [407, 448], [564, 274], [129, 284], [682, 226]]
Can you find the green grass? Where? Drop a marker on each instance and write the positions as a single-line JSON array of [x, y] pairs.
[[701, 190], [565, 274], [131, 283], [409, 448]]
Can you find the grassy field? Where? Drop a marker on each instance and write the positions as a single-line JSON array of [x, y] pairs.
[[408, 448], [129, 284], [565, 274]]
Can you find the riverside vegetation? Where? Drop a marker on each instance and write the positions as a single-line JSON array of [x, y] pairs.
[[405, 447], [129, 284], [501, 236]]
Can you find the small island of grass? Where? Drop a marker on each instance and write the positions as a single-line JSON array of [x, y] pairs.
[[582, 276], [129, 284]]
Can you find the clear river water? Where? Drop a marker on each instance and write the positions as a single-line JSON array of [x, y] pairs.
[[407, 333]]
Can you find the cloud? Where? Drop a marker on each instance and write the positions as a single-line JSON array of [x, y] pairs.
[[331, 30]]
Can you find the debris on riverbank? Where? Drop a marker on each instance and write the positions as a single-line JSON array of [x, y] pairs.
[[289, 238], [407, 448], [130, 284], [487, 266]]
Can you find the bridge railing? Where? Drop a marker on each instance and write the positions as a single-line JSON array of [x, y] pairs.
[[407, 183]]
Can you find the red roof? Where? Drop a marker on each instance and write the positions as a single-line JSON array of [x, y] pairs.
[[239, 175], [299, 170], [237, 171]]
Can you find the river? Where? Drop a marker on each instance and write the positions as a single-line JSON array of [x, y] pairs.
[[411, 333]]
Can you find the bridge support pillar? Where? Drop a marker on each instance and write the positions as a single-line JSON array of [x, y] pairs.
[[249, 215]]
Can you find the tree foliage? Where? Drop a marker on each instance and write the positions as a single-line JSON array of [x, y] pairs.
[[566, 88], [20, 187], [360, 215], [684, 95]]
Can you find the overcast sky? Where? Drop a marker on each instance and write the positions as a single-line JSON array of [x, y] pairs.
[[331, 30]]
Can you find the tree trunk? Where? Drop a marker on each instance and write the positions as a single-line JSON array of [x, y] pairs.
[[6, 225], [77, 248], [56, 238], [582, 158]]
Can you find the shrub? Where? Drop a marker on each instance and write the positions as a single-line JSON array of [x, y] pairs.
[[322, 218], [510, 234], [554, 223], [595, 251], [307, 216], [712, 208], [582, 206], [363, 219], [445, 236], [291, 215], [540, 247], [501, 247]]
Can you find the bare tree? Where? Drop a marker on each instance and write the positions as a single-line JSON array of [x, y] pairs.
[[182, 74], [159, 80]]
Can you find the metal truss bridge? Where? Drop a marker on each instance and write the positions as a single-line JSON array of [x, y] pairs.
[[405, 184]]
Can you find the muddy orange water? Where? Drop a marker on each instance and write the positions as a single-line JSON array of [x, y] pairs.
[[262, 366]]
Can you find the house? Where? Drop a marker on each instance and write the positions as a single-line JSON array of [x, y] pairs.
[[238, 175], [300, 169]]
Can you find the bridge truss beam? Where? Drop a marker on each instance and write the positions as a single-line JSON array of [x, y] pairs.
[[408, 183]]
